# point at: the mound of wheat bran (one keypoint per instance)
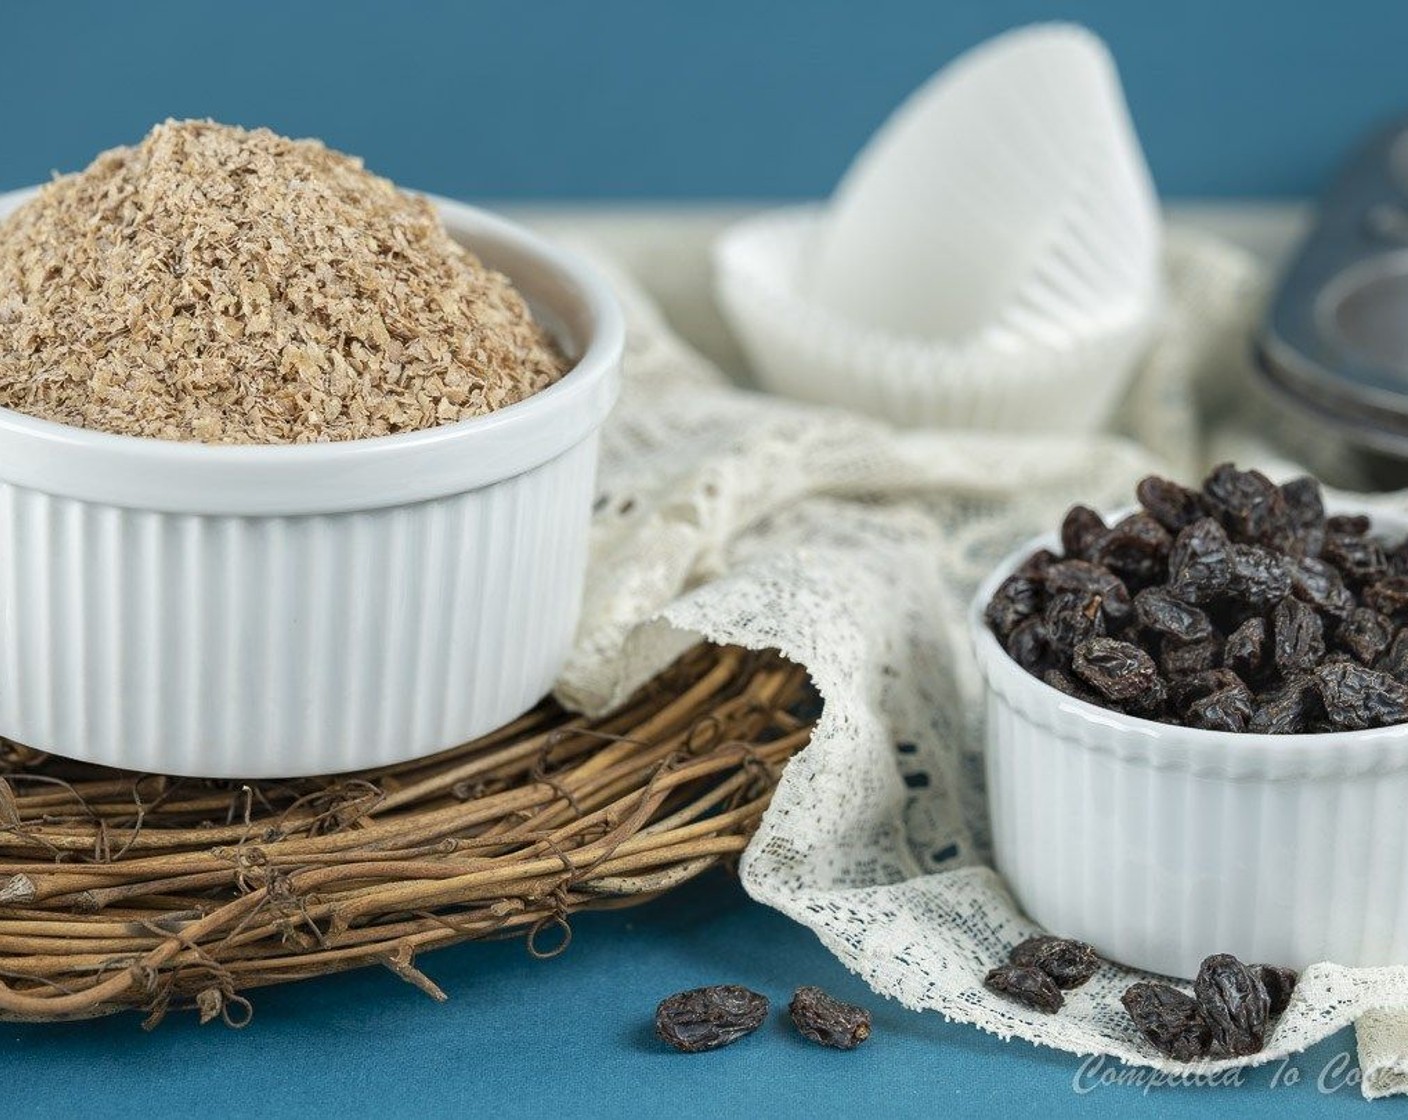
(227, 286)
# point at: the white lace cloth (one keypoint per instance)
(854, 548)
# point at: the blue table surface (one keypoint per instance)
(573, 1036)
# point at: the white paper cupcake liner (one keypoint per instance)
(1049, 363)
(991, 260)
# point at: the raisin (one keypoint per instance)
(1117, 670)
(707, 1018)
(1062, 682)
(1359, 559)
(1286, 710)
(1321, 585)
(1182, 659)
(1081, 532)
(1069, 963)
(1248, 504)
(1259, 577)
(1026, 985)
(1171, 1020)
(1394, 662)
(1174, 507)
(1071, 617)
(1365, 634)
(1355, 697)
(1184, 690)
(1234, 1003)
(1200, 562)
(1090, 579)
(826, 1020)
(1299, 636)
(1136, 549)
(1016, 600)
(1228, 709)
(1279, 983)
(1034, 566)
(1348, 524)
(1156, 609)
(1245, 651)
(1305, 511)
(1030, 648)
(1389, 597)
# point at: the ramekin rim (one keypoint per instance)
(588, 389)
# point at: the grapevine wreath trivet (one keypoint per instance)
(122, 891)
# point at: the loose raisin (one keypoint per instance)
(1365, 634)
(708, 1018)
(1200, 562)
(1359, 559)
(1389, 597)
(1280, 984)
(1171, 1020)
(1069, 963)
(1259, 577)
(1305, 510)
(1182, 659)
(1071, 617)
(1026, 985)
(1234, 1003)
(1030, 648)
(1135, 549)
(1321, 585)
(1286, 710)
(826, 1020)
(1245, 651)
(1228, 709)
(1090, 579)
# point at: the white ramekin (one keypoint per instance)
(271, 611)
(1160, 845)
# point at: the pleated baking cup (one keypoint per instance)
(1012, 182)
(1058, 356)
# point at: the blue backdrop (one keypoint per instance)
(725, 98)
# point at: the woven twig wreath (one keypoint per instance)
(138, 891)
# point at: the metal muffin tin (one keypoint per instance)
(1335, 343)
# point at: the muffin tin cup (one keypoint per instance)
(1160, 844)
(254, 611)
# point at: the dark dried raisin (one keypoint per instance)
(1245, 651)
(826, 1020)
(1234, 1003)
(1026, 985)
(1034, 566)
(1228, 709)
(1349, 524)
(1158, 610)
(1299, 636)
(1259, 578)
(1071, 617)
(1280, 984)
(1171, 1020)
(1286, 710)
(1069, 963)
(1174, 506)
(1182, 659)
(1355, 697)
(1321, 585)
(1080, 532)
(1135, 549)
(1389, 597)
(707, 1018)
(1248, 504)
(1090, 579)
(1117, 670)
(1016, 600)
(1200, 562)
(1359, 559)
(1365, 634)
(1394, 661)
(1030, 648)
(1305, 511)
(1184, 690)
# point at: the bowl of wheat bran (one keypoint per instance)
(285, 496)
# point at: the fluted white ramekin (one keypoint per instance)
(1160, 845)
(269, 611)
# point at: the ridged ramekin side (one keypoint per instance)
(236, 646)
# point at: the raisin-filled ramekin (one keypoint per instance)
(1161, 844)
(249, 611)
